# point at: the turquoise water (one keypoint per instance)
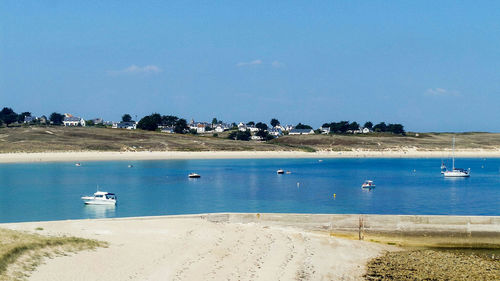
(52, 191)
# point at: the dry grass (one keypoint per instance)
(44, 139)
(21, 252)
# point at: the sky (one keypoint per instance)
(429, 65)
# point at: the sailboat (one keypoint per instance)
(455, 172)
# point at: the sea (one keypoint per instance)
(52, 191)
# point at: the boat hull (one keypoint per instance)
(96, 201)
(456, 175)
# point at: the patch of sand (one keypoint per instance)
(191, 248)
(166, 155)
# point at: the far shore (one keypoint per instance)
(80, 156)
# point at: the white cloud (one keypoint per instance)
(440, 92)
(277, 64)
(254, 62)
(134, 69)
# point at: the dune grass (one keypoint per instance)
(21, 252)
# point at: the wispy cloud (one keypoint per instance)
(277, 64)
(135, 69)
(254, 62)
(440, 92)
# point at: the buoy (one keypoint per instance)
(298, 184)
(334, 195)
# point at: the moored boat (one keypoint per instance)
(100, 198)
(280, 171)
(194, 176)
(368, 184)
(454, 172)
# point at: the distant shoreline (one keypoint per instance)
(83, 156)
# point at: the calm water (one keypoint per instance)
(52, 191)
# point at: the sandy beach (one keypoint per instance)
(192, 248)
(166, 155)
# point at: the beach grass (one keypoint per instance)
(63, 139)
(21, 252)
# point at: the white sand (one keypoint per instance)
(164, 155)
(190, 248)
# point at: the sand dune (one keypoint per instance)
(189, 248)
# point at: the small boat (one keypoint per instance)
(130, 166)
(78, 164)
(288, 172)
(280, 172)
(368, 184)
(194, 176)
(100, 198)
(455, 172)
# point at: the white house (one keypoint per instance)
(242, 127)
(125, 125)
(253, 129)
(301, 132)
(325, 130)
(289, 128)
(275, 132)
(258, 138)
(365, 130)
(168, 130)
(72, 121)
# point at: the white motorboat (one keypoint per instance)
(455, 172)
(100, 198)
(280, 171)
(368, 184)
(194, 176)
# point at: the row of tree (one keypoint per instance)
(343, 127)
(153, 121)
(9, 116)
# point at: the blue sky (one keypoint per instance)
(430, 65)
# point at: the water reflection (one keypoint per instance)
(99, 211)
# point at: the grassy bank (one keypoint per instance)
(21, 252)
(56, 138)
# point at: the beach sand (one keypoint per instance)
(165, 155)
(192, 248)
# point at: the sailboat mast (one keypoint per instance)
(453, 154)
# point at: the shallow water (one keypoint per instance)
(52, 191)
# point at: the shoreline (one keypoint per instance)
(70, 156)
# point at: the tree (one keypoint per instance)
(302, 126)
(396, 129)
(56, 118)
(261, 126)
(169, 120)
(339, 127)
(251, 123)
(126, 118)
(354, 126)
(150, 122)
(264, 135)
(89, 123)
(20, 117)
(239, 135)
(214, 121)
(368, 125)
(8, 116)
(275, 122)
(380, 127)
(181, 126)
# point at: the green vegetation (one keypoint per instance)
(56, 118)
(240, 135)
(21, 252)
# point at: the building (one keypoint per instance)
(73, 121)
(257, 138)
(29, 119)
(168, 130)
(289, 128)
(242, 127)
(275, 132)
(125, 125)
(301, 132)
(325, 130)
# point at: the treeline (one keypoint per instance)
(343, 127)
(154, 121)
(9, 116)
